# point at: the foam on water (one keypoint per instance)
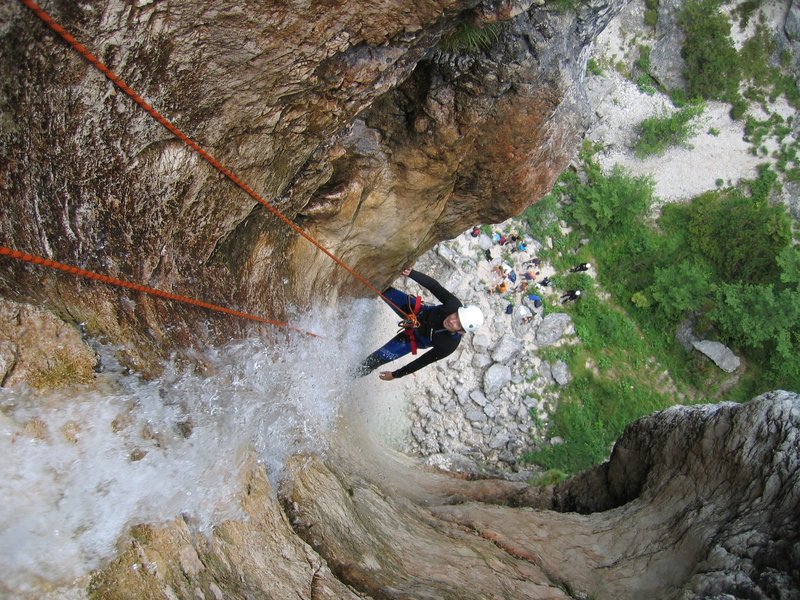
(80, 467)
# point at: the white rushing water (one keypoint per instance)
(80, 467)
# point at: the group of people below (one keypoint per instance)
(438, 328)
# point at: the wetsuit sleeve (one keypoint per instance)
(435, 288)
(431, 356)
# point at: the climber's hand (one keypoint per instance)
(386, 375)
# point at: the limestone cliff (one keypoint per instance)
(694, 503)
(349, 118)
(356, 122)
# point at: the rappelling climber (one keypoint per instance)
(438, 327)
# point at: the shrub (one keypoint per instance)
(542, 217)
(651, 17)
(680, 288)
(739, 236)
(608, 202)
(646, 84)
(712, 63)
(593, 67)
(656, 134)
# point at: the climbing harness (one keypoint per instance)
(411, 322)
(93, 60)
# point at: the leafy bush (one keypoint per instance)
(712, 63)
(656, 134)
(680, 288)
(542, 217)
(740, 239)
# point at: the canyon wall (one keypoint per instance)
(353, 119)
(362, 126)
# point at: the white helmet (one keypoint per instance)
(471, 317)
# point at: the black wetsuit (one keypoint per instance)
(430, 333)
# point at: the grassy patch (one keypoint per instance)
(724, 260)
(60, 370)
(469, 38)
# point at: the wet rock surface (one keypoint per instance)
(353, 121)
(350, 119)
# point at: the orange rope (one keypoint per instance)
(38, 260)
(52, 24)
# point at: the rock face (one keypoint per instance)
(349, 118)
(695, 502)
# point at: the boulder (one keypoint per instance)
(552, 327)
(546, 371)
(560, 373)
(722, 356)
(508, 347)
(495, 378)
(791, 25)
(481, 361)
(481, 342)
(666, 62)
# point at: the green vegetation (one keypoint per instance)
(725, 261)
(644, 82)
(657, 134)
(714, 69)
(468, 38)
(712, 63)
(593, 68)
(550, 477)
(651, 13)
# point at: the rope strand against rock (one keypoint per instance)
(81, 49)
(46, 262)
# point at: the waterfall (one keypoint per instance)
(82, 465)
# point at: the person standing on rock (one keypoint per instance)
(439, 327)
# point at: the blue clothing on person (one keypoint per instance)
(537, 301)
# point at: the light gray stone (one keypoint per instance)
(481, 342)
(476, 416)
(490, 411)
(462, 393)
(546, 371)
(560, 373)
(481, 361)
(495, 378)
(722, 356)
(478, 398)
(508, 347)
(499, 440)
(552, 328)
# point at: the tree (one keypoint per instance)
(752, 315)
(739, 238)
(681, 287)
